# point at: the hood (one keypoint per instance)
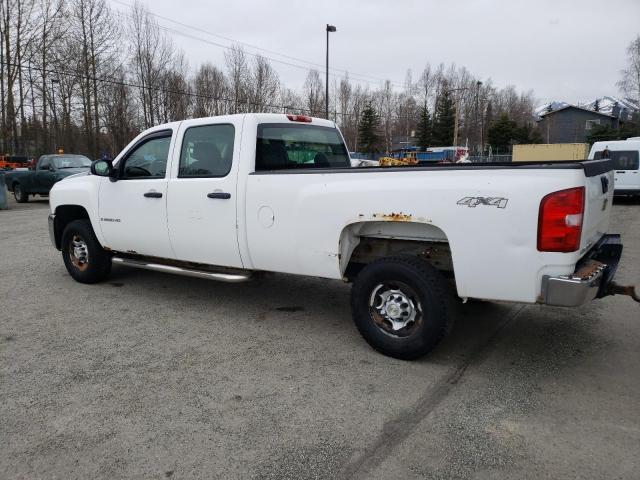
(67, 172)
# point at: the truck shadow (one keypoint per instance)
(319, 307)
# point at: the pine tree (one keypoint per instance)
(502, 133)
(444, 121)
(423, 129)
(368, 137)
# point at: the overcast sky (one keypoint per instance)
(569, 50)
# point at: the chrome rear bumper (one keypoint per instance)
(589, 281)
(573, 290)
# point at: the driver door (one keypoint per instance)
(133, 209)
(45, 176)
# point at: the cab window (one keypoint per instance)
(148, 159)
(284, 146)
(207, 151)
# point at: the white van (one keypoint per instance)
(626, 163)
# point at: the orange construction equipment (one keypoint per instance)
(9, 162)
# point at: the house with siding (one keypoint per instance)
(572, 124)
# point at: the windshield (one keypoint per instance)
(74, 161)
(286, 146)
(622, 159)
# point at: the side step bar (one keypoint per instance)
(221, 277)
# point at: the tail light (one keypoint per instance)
(560, 221)
(299, 118)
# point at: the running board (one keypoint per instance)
(157, 267)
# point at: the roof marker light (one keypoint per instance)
(299, 118)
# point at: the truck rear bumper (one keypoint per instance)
(593, 273)
(626, 191)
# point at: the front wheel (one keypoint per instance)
(20, 195)
(399, 305)
(84, 257)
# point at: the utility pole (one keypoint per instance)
(455, 123)
(330, 28)
(478, 85)
(55, 116)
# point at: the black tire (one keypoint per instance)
(423, 295)
(20, 195)
(84, 257)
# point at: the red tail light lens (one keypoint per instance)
(560, 221)
(299, 118)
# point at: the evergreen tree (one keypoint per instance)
(488, 116)
(423, 129)
(368, 138)
(536, 136)
(444, 121)
(502, 133)
(526, 134)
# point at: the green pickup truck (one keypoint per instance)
(49, 170)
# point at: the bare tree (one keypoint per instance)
(97, 32)
(313, 92)
(264, 85)
(238, 76)
(119, 112)
(17, 36)
(152, 56)
(210, 87)
(629, 82)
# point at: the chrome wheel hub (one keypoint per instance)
(394, 306)
(79, 252)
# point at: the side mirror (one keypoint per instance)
(46, 167)
(102, 168)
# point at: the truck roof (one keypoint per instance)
(617, 145)
(259, 117)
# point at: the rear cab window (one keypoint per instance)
(622, 159)
(286, 147)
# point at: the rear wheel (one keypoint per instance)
(400, 306)
(19, 193)
(84, 257)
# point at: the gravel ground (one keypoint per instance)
(157, 376)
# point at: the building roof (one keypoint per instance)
(544, 114)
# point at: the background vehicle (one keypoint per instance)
(49, 170)
(9, 162)
(223, 197)
(625, 155)
(432, 154)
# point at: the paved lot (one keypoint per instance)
(156, 376)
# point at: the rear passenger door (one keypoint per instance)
(201, 200)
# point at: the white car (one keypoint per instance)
(625, 155)
(224, 197)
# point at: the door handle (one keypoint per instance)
(153, 195)
(223, 195)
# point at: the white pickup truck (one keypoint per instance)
(225, 197)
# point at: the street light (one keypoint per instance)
(330, 28)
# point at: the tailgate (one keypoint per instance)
(598, 201)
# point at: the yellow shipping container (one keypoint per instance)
(550, 152)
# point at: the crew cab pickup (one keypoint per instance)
(225, 197)
(49, 170)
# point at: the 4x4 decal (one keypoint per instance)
(473, 202)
